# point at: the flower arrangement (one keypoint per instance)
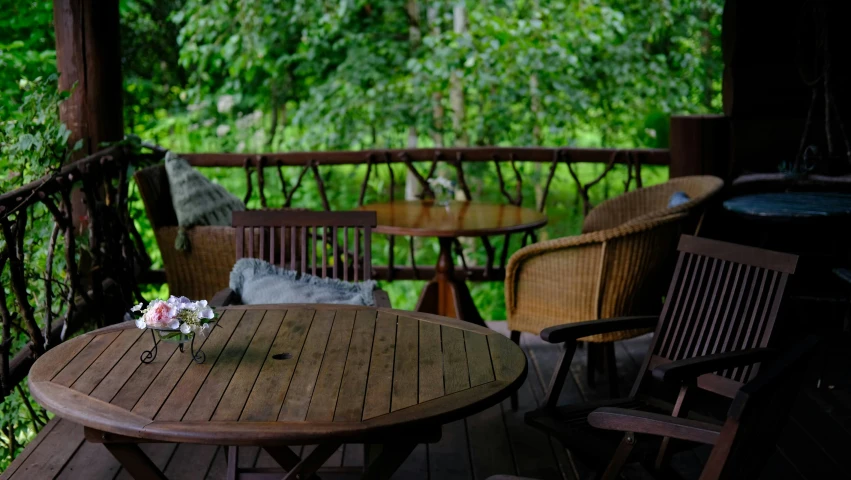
(176, 319)
(176, 313)
(443, 188)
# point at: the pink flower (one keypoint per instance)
(161, 315)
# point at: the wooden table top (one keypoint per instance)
(791, 205)
(347, 373)
(421, 218)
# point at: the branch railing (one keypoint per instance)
(94, 258)
(85, 203)
(423, 165)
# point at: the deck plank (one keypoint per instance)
(324, 399)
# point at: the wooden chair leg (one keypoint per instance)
(611, 367)
(515, 337)
(613, 470)
(591, 364)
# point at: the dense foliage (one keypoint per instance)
(262, 75)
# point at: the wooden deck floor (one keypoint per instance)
(495, 441)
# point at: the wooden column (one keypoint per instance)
(88, 58)
(700, 145)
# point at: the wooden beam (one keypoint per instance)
(88, 58)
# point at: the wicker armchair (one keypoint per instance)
(204, 270)
(643, 204)
(604, 274)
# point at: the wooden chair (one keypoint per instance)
(746, 440)
(317, 243)
(744, 443)
(719, 314)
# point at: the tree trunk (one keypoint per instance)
(456, 87)
(437, 99)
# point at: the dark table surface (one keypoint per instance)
(791, 205)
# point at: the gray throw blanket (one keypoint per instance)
(259, 282)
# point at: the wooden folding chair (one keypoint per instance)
(719, 315)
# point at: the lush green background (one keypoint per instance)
(263, 75)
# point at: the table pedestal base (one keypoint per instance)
(445, 295)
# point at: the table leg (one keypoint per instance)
(388, 460)
(134, 460)
(444, 294)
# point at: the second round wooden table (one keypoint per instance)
(445, 294)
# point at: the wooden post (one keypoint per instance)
(700, 145)
(88, 58)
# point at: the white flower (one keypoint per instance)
(141, 324)
(174, 324)
(185, 329)
(136, 308)
(225, 103)
(222, 130)
(206, 312)
(203, 329)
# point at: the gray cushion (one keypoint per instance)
(677, 199)
(196, 199)
(258, 282)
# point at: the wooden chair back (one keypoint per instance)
(757, 416)
(327, 244)
(723, 297)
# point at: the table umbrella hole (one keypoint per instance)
(282, 356)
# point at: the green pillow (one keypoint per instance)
(196, 200)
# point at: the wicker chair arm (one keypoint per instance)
(575, 331)
(688, 369)
(636, 421)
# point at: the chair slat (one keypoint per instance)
(367, 253)
(263, 243)
(336, 251)
(357, 254)
(303, 248)
(702, 316)
(346, 253)
(324, 252)
(313, 250)
(251, 242)
(272, 235)
(686, 288)
(240, 232)
(293, 237)
(283, 254)
(691, 318)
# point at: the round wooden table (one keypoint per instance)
(445, 294)
(283, 375)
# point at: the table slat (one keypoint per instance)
(204, 403)
(298, 396)
(431, 362)
(107, 361)
(170, 376)
(84, 359)
(331, 373)
(270, 389)
(234, 398)
(380, 379)
(478, 358)
(405, 367)
(353, 386)
(456, 375)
